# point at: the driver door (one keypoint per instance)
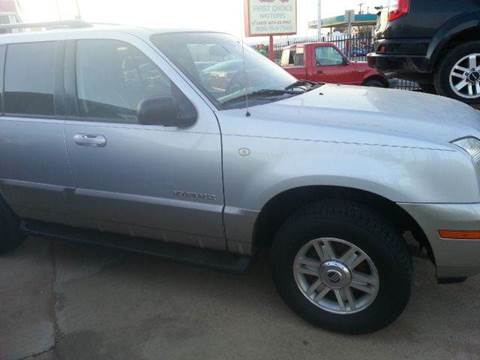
(142, 180)
(331, 66)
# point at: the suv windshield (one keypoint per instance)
(224, 70)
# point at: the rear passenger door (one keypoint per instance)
(34, 173)
(142, 180)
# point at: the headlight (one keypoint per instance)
(471, 145)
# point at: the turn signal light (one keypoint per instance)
(401, 9)
(460, 234)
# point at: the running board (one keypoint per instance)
(218, 260)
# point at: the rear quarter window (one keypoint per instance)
(293, 57)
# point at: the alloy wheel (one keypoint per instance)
(336, 275)
(465, 77)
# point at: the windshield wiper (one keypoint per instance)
(274, 92)
(263, 93)
(308, 85)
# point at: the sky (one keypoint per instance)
(220, 15)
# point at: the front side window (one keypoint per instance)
(30, 79)
(328, 56)
(222, 68)
(113, 77)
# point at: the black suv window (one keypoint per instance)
(30, 79)
(113, 78)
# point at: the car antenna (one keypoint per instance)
(246, 80)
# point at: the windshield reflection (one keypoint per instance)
(224, 69)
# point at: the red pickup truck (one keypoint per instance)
(324, 62)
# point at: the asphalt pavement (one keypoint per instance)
(72, 301)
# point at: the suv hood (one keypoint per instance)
(388, 112)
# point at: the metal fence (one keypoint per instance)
(354, 47)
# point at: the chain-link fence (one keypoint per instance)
(355, 47)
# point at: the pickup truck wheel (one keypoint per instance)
(10, 235)
(458, 75)
(374, 83)
(342, 268)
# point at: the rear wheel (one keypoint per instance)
(374, 83)
(341, 267)
(10, 235)
(458, 75)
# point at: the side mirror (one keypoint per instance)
(164, 111)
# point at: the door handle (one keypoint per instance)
(319, 71)
(90, 140)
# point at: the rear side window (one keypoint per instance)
(30, 79)
(293, 57)
(297, 58)
(113, 77)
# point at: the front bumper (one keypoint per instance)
(453, 258)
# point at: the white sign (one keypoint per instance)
(270, 17)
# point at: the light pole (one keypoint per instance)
(361, 7)
(319, 19)
(79, 14)
(59, 14)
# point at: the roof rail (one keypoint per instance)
(67, 24)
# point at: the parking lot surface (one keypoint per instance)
(71, 301)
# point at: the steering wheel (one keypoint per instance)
(236, 83)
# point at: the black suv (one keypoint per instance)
(434, 42)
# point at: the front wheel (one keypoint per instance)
(458, 75)
(342, 268)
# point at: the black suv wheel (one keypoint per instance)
(341, 267)
(458, 75)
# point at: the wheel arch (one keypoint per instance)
(276, 211)
(455, 32)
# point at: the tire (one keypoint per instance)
(364, 231)
(10, 235)
(445, 83)
(374, 83)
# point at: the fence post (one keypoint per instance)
(271, 51)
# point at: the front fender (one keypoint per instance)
(407, 175)
(399, 174)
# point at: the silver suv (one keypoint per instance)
(190, 146)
